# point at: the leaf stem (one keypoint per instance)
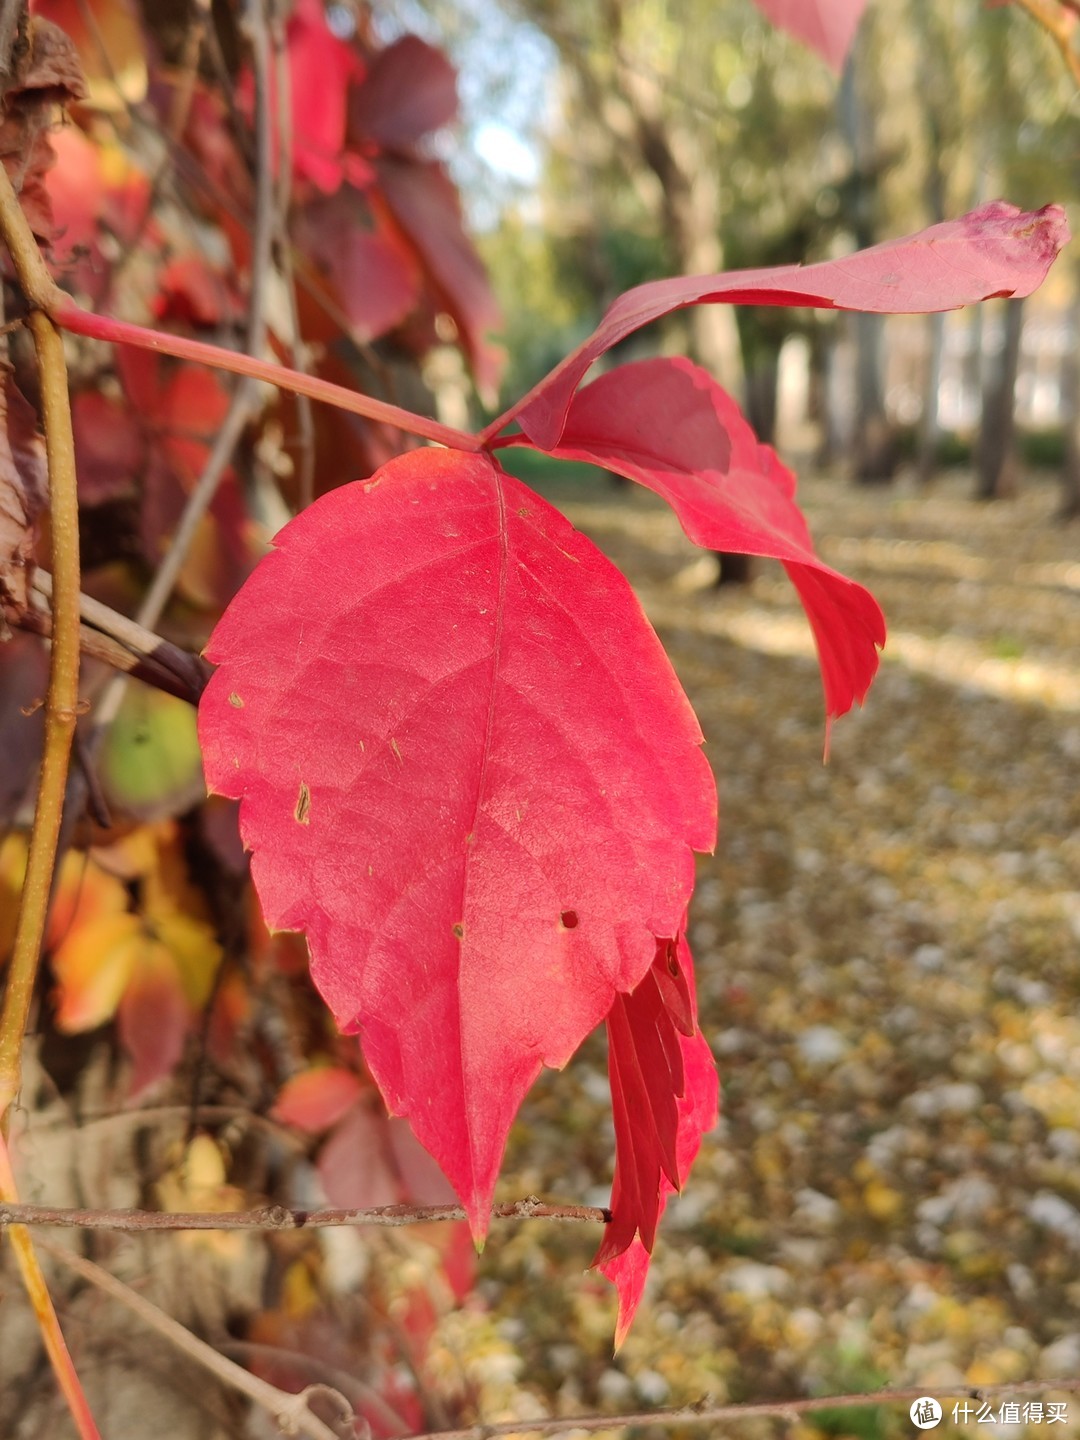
(70, 316)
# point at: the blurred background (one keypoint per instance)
(888, 945)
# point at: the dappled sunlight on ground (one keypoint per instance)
(889, 958)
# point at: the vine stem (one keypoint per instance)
(61, 704)
(69, 316)
(283, 1217)
(62, 698)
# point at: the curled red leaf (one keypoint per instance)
(664, 1097)
(995, 250)
(668, 425)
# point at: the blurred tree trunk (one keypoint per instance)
(937, 94)
(1070, 396)
(995, 451)
(873, 444)
(930, 419)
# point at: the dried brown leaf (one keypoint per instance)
(49, 78)
(23, 487)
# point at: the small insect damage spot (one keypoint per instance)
(459, 931)
(235, 701)
(397, 752)
(302, 813)
(569, 919)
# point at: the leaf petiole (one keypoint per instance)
(70, 316)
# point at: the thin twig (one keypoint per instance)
(184, 93)
(284, 1217)
(290, 1412)
(705, 1413)
(246, 393)
(341, 1381)
(107, 635)
(185, 682)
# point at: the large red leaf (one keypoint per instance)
(995, 250)
(668, 425)
(827, 26)
(468, 773)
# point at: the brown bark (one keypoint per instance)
(995, 451)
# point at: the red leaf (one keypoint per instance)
(373, 273)
(668, 425)
(995, 250)
(316, 1099)
(109, 446)
(424, 204)
(827, 26)
(664, 1099)
(468, 772)
(192, 292)
(153, 1016)
(354, 1167)
(321, 68)
(409, 91)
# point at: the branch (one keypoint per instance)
(107, 635)
(704, 1413)
(283, 1217)
(289, 1412)
(62, 700)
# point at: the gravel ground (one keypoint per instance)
(889, 966)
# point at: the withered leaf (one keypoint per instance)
(49, 78)
(23, 487)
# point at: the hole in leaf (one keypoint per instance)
(302, 813)
(569, 919)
